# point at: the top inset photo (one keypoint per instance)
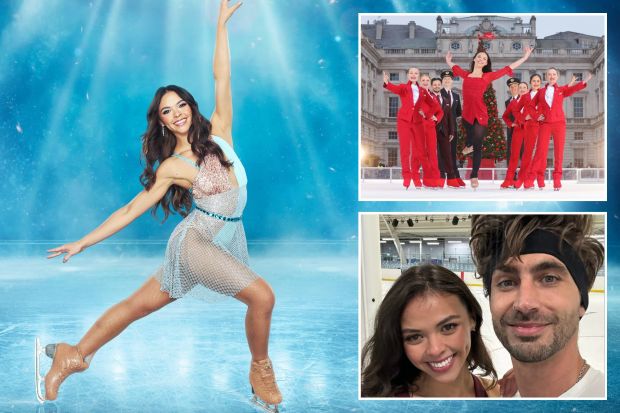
(508, 107)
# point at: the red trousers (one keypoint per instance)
(546, 130)
(529, 142)
(411, 142)
(429, 151)
(518, 134)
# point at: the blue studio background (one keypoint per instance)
(76, 78)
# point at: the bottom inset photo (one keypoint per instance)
(482, 305)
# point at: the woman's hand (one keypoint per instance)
(226, 12)
(528, 52)
(386, 77)
(449, 58)
(71, 249)
(573, 80)
(588, 77)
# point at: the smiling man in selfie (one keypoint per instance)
(537, 271)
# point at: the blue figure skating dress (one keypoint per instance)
(207, 251)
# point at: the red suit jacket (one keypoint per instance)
(408, 112)
(514, 109)
(555, 113)
(430, 109)
(474, 107)
(529, 108)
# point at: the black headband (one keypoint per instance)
(545, 242)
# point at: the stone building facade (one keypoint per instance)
(394, 48)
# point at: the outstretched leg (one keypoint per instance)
(71, 359)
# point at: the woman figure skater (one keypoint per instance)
(475, 115)
(431, 115)
(207, 251)
(530, 129)
(530, 138)
(427, 340)
(549, 102)
(410, 128)
(516, 109)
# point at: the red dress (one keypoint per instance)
(474, 107)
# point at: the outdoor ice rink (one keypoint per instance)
(386, 190)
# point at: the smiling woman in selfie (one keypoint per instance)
(427, 340)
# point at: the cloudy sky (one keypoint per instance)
(546, 24)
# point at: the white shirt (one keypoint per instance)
(416, 92)
(549, 95)
(533, 93)
(592, 384)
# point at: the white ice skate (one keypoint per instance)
(39, 379)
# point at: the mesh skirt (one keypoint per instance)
(206, 258)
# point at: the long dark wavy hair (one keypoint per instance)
(158, 146)
(487, 68)
(386, 370)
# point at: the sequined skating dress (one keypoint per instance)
(207, 251)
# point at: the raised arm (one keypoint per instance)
(571, 89)
(397, 89)
(123, 216)
(221, 119)
(573, 80)
(449, 59)
(526, 55)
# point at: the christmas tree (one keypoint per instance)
(494, 144)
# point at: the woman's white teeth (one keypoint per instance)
(441, 364)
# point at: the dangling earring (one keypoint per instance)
(163, 132)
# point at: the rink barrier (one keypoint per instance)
(592, 175)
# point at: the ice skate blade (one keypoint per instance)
(38, 378)
(271, 408)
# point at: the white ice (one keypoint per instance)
(384, 190)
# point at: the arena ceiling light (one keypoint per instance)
(429, 239)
